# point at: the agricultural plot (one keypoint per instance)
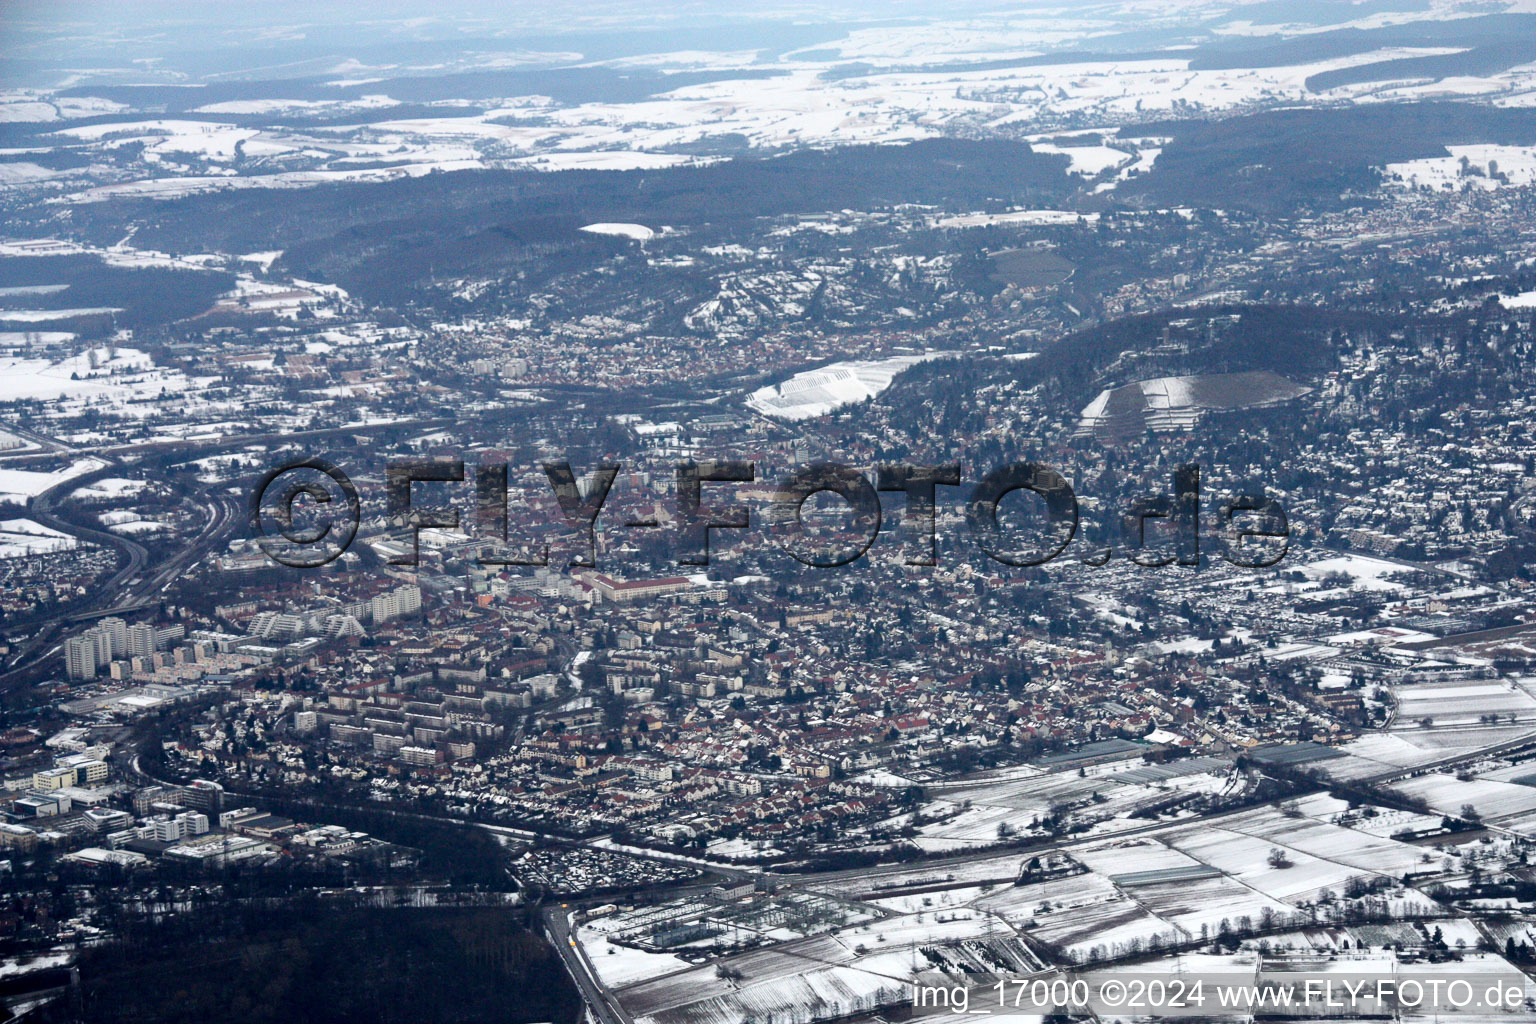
(1019, 905)
(1004, 867)
(1246, 859)
(1523, 824)
(1075, 913)
(1001, 954)
(914, 903)
(1322, 806)
(1017, 803)
(865, 966)
(620, 965)
(1441, 742)
(1355, 938)
(1381, 754)
(1462, 934)
(1304, 940)
(1378, 936)
(1481, 970)
(1374, 754)
(779, 963)
(1461, 704)
(1389, 822)
(1327, 841)
(1034, 793)
(1177, 888)
(927, 928)
(1200, 906)
(1140, 855)
(1115, 926)
(1492, 800)
(1522, 771)
(1522, 932)
(707, 926)
(822, 994)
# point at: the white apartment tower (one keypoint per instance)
(117, 633)
(400, 601)
(80, 657)
(141, 640)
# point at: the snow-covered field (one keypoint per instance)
(1185, 902)
(935, 901)
(17, 486)
(1462, 703)
(122, 374)
(809, 979)
(1245, 858)
(1364, 572)
(1493, 800)
(176, 186)
(1089, 161)
(1017, 798)
(1176, 403)
(20, 537)
(111, 487)
(139, 527)
(1481, 166)
(638, 232)
(968, 872)
(1380, 753)
(818, 392)
(1327, 841)
(12, 966)
(1111, 920)
(620, 965)
(951, 73)
(42, 316)
(1032, 218)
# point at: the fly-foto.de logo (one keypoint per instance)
(1250, 530)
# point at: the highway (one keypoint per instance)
(136, 583)
(198, 448)
(130, 587)
(556, 916)
(48, 444)
(604, 1007)
(35, 650)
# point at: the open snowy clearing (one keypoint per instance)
(1493, 800)
(638, 232)
(818, 392)
(18, 486)
(122, 374)
(22, 537)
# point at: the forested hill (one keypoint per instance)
(314, 962)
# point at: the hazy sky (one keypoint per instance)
(49, 43)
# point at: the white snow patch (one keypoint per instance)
(639, 232)
(818, 392)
